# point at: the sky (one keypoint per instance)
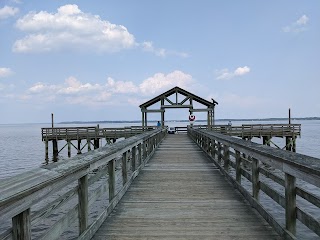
(99, 60)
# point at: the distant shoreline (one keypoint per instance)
(217, 120)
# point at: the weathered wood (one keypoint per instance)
(124, 168)
(83, 203)
(55, 150)
(226, 157)
(69, 148)
(291, 211)
(21, 226)
(140, 153)
(133, 158)
(255, 178)
(111, 179)
(238, 167)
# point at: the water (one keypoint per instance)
(21, 147)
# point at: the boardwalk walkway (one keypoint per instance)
(180, 194)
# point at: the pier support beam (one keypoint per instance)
(69, 148)
(55, 150)
(46, 151)
(79, 146)
(96, 143)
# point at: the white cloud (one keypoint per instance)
(113, 92)
(8, 11)
(297, 26)
(70, 28)
(160, 81)
(225, 74)
(161, 52)
(5, 72)
(73, 86)
(121, 86)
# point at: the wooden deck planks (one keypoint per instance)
(181, 195)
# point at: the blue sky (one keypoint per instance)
(99, 60)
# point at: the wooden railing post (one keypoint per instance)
(226, 157)
(21, 226)
(83, 203)
(139, 154)
(238, 167)
(255, 178)
(213, 148)
(144, 150)
(133, 160)
(124, 168)
(219, 153)
(112, 179)
(290, 195)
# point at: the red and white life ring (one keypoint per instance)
(192, 118)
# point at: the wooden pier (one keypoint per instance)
(226, 188)
(180, 194)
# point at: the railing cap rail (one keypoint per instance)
(302, 162)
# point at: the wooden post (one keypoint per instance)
(139, 154)
(52, 120)
(133, 160)
(69, 147)
(291, 210)
(238, 167)
(142, 119)
(255, 178)
(79, 146)
(219, 153)
(145, 120)
(55, 150)
(124, 168)
(112, 179)
(144, 150)
(83, 203)
(89, 144)
(46, 151)
(289, 116)
(96, 143)
(21, 226)
(162, 114)
(294, 144)
(213, 148)
(288, 144)
(226, 157)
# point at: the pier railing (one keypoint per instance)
(76, 133)
(256, 130)
(291, 181)
(62, 193)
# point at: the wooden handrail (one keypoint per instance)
(19, 193)
(247, 157)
